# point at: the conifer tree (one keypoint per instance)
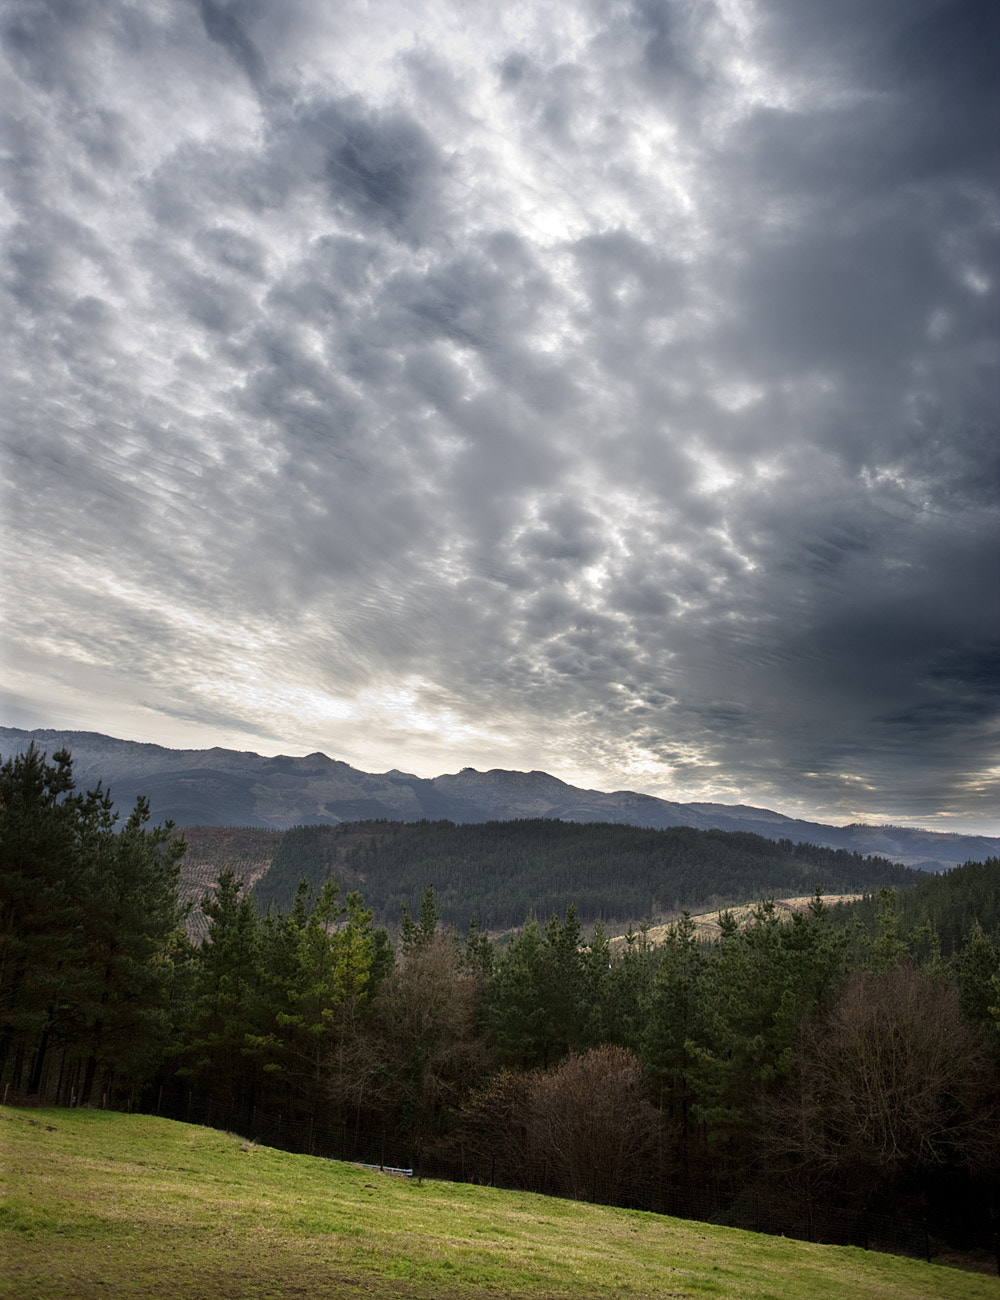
(327, 951)
(760, 982)
(230, 1000)
(40, 905)
(88, 927)
(513, 1012)
(673, 1025)
(978, 970)
(131, 916)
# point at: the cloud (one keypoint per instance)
(608, 391)
(223, 25)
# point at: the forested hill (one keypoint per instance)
(942, 910)
(499, 872)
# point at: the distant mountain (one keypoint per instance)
(225, 787)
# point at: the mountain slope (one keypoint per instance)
(224, 787)
(500, 871)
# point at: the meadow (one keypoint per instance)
(131, 1206)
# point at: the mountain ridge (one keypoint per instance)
(224, 787)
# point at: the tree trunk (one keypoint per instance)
(36, 1074)
(91, 1071)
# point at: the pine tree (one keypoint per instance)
(88, 930)
(674, 1022)
(512, 1012)
(230, 1008)
(978, 971)
(760, 982)
(40, 906)
(131, 917)
(328, 954)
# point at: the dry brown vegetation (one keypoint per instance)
(707, 923)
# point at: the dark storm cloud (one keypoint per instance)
(222, 24)
(603, 390)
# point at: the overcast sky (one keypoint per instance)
(604, 388)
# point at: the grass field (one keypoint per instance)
(130, 1206)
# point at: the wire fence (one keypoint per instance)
(787, 1212)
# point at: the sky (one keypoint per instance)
(608, 389)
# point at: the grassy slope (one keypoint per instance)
(97, 1204)
(706, 924)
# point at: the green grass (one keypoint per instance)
(129, 1206)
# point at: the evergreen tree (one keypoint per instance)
(628, 990)
(512, 1012)
(131, 919)
(230, 997)
(887, 948)
(419, 933)
(674, 1022)
(40, 907)
(478, 953)
(88, 931)
(563, 986)
(760, 982)
(598, 1022)
(326, 952)
(534, 1006)
(978, 969)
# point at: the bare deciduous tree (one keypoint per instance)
(893, 1082)
(588, 1123)
(592, 1116)
(416, 1053)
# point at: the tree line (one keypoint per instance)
(849, 1059)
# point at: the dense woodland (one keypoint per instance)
(498, 873)
(848, 1057)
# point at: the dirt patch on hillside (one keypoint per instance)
(707, 923)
